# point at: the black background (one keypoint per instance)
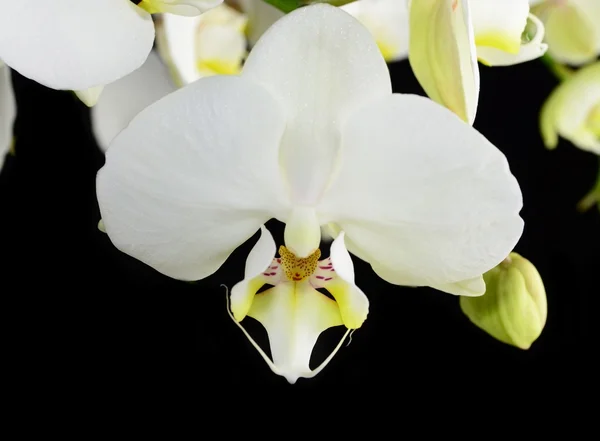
(87, 315)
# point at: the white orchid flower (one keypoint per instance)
(125, 98)
(387, 20)
(7, 112)
(448, 36)
(82, 44)
(210, 44)
(309, 134)
(573, 111)
(572, 29)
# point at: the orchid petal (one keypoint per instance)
(529, 50)
(572, 30)
(261, 17)
(7, 111)
(499, 24)
(321, 64)
(471, 288)
(177, 44)
(387, 20)
(571, 108)
(258, 262)
(436, 202)
(336, 275)
(180, 7)
(74, 44)
(294, 315)
(125, 98)
(443, 54)
(192, 177)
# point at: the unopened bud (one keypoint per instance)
(513, 308)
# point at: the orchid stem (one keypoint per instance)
(560, 71)
(592, 198)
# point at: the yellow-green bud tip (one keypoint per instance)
(513, 308)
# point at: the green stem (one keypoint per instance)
(560, 71)
(289, 5)
(592, 198)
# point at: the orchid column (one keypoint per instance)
(309, 134)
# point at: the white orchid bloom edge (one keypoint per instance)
(82, 45)
(309, 134)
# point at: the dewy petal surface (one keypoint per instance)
(433, 202)
(74, 44)
(321, 64)
(125, 98)
(7, 111)
(193, 176)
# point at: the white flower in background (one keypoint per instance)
(216, 43)
(82, 44)
(125, 98)
(573, 111)
(447, 37)
(309, 134)
(210, 44)
(7, 112)
(572, 29)
(387, 20)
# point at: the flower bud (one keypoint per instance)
(513, 308)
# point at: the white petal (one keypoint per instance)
(74, 44)
(178, 42)
(443, 54)
(192, 177)
(258, 261)
(261, 17)
(321, 64)
(499, 24)
(433, 202)
(127, 97)
(8, 111)
(530, 50)
(471, 287)
(387, 20)
(294, 315)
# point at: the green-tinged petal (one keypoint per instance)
(572, 30)
(294, 315)
(571, 111)
(90, 96)
(179, 7)
(7, 112)
(514, 307)
(442, 54)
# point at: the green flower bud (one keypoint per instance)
(513, 308)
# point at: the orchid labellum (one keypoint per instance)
(310, 134)
(82, 44)
(447, 37)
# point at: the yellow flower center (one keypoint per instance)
(296, 268)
